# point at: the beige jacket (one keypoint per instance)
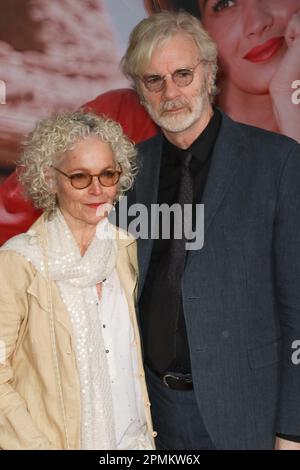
(40, 403)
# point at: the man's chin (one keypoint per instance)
(175, 125)
(170, 123)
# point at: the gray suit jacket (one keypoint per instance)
(241, 291)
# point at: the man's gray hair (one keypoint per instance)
(157, 29)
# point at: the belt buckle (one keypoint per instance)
(165, 376)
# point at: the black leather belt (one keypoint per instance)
(177, 381)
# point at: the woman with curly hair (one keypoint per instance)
(71, 374)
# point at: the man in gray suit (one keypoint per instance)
(220, 325)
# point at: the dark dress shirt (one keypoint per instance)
(169, 179)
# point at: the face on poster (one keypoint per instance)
(253, 38)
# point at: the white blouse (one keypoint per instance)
(120, 348)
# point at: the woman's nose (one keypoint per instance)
(95, 186)
(258, 17)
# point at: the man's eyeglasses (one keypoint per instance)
(181, 78)
(82, 180)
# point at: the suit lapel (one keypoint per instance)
(225, 160)
(150, 154)
(39, 288)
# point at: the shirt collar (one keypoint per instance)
(201, 148)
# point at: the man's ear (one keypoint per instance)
(209, 79)
(49, 178)
(140, 94)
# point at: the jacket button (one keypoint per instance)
(154, 434)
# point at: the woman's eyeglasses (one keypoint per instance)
(181, 78)
(82, 180)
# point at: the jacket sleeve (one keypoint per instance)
(17, 429)
(287, 279)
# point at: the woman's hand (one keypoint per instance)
(286, 112)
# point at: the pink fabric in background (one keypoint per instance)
(54, 55)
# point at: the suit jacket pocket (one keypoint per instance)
(265, 355)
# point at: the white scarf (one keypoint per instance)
(76, 277)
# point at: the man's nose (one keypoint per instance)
(170, 90)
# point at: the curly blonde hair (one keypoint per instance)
(55, 135)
